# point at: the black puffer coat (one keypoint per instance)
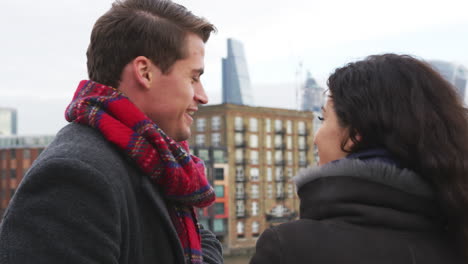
(367, 212)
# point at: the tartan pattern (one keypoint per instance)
(168, 163)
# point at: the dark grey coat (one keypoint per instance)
(84, 202)
(361, 212)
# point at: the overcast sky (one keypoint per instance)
(43, 45)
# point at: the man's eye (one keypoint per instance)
(195, 79)
(320, 118)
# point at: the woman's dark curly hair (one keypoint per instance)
(402, 104)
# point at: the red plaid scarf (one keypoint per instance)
(166, 162)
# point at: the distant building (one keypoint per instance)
(312, 95)
(313, 98)
(16, 156)
(8, 121)
(251, 154)
(456, 74)
(236, 81)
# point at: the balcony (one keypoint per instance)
(280, 179)
(240, 178)
(241, 144)
(280, 196)
(241, 214)
(281, 163)
(280, 146)
(302, 132)
(241, 196)
(280, 131)
(241, 162)
(240, 129)
(303, 147)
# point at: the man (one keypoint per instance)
(118, 184)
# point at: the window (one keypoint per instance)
(269, 174)
(219, 208)
(3, 154)
(4, 173)
(239, 139)
(13, 154)
(254, 208)
(240, 229)
(268, 125)
(279, 190)
(278, 156)
(254, 192)
(302, 156)
(218, 156)
(269, 191)
(290, 191)
(255, 229)
(240, 190)
(253, 142)
(289, 172)
(268, 141)
(238, 123)
(289, 127)
(269, 157)
(218, 225)
(278, 141)
(289, 142)
(219, 174)
(254, 173)
(204, 154)
(301, 128)
(239, 155)
(215, 123)
(240, 173)
(219, 190)
(216, 139)
(289, 157)
(240, 208)
(278, 125)
(279, 174)
(13, 173)
(254, 157)
(301, 142)
(201, 124)
(253, 124)
(26, 153)
(200, 140)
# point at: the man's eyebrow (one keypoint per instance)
(199, 71)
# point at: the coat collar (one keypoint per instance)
(381, 170)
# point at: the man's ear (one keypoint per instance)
(142, 70)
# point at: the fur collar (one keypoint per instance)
(372, 170)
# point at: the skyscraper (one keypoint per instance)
(312, 95)
(236, 81)
(313, 99)
(8, 121)
(456, 74)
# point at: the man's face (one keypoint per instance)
(174, 97)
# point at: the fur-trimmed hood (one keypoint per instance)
(372, 170)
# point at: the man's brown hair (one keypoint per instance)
(155, 29)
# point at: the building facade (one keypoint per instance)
(237, 88)
(8, 121)
(251, 154)
(17, 153)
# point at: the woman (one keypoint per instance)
(391, 185)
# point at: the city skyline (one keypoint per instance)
(43, 57)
